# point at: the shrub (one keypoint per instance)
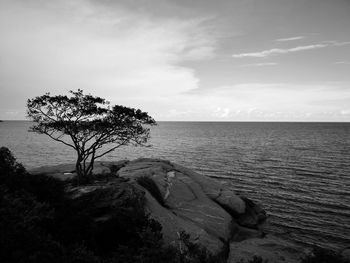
(15, 178)
(320, 255)
(24, 213)
(257, 259)
(195, 253)
(39, 224)
(8, 163)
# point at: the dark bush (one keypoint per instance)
(38, 223)
(151, 186)
(8, 164)
(195, 253)
(25, 210)
(23, 237)
(257, 259)
(320, 255)
(15, 178)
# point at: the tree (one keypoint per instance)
(88, 124)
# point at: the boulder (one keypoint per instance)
(61, 171)
(254, 215)
(346, 254)
(173, 224)
(217, 191)
(199, 205)
(271, 249)
(203, 207)
(187, 209)
(67, 171)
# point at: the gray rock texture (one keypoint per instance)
(196, 204)
(270, 248)
(208, 210)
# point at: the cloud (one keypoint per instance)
(278, 51)
(221, 112)
(259, 64)
(289, 39)
(342, 63)
(127, 56)
(275, 101)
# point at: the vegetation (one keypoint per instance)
(39, 223)
(320, 255)
(257, 259)
(194, 253)
(88, 124)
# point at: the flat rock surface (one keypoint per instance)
(67, 171)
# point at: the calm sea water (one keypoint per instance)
(300, 172)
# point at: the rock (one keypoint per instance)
(242, 233)
(67, 171)
(173, 224)
(270, 248)
(254, 215)
(216, 191)
(188, 208)
(199, 205)
(346, 254)
(206, 209)
(61, 171)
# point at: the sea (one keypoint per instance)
(299, 172)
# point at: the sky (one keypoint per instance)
(181, 60)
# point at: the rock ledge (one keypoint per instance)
(206, 209)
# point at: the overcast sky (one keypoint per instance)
(228, 60)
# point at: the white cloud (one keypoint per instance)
(278, 51)
(259, 64)
(274, 101)
(110, 51)
(342, 62)
(289, 39)
(221, 112)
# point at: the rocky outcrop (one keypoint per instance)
(269, 248)
(345, 253)
(202, 207)
(206, 209)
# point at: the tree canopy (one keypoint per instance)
(88, 124)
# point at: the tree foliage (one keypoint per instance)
(88, 124)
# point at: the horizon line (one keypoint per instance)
(247, 121)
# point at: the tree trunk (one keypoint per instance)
(91, 164)
(79, 170)
(90, 167)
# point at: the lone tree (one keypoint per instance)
(88, 124)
